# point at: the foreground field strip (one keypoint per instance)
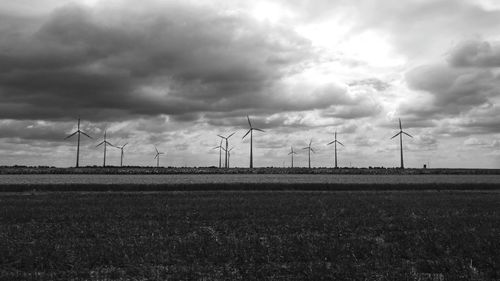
(251, 236)
(246, 178)
(244, 187)
(493, 192)
(241, 171)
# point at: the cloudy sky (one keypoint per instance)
(176, 73)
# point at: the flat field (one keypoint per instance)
(204, 182)
(254, 179)
(254, 235)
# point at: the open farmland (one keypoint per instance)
(245, 178)
(251, 236)
(165, 182)
(132, 170)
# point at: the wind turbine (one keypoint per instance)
(220, 152)
(121, 154)
(157, 157)
(292, 152)
(400, 134)
(226, 165)
(228, 155)
(105, 142)
(310, 149)
(335, 142)
(251, 139)
(78, 143)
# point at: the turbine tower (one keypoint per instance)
(105, 142)
(228, 155)
(309, 148)
(78, 132)
(226, 164)
(400, 134)
(220, 152)
(292, 152)
(251, 139)
(121, 153)
(335, 143)
(157, 157)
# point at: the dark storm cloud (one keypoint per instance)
(108, 63)
(332, 100)
(240, 122)
(361, 110)
(482, 120)
(471, 125)
(475, 53)
(453, 91)
(33, 130)
(482, 125)
(45, 132)
(426, 141)
(350, 106)
(186, 117)
(465, 90)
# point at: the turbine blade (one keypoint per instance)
(124, 145)
(258, 130)
(101, 143)
(156, 156)
(396, 135)
(71, 135)
(156, 150)
(408, 134)
(310, 142)
(231, 135)
(331, 142)
(221, 136)
(313, 150)
(400, 127)
(305, 148)
(246, 133)
(86, 135)
(340, 143)
(249, 123)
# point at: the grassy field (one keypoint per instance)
(134, 170)
(251, 236)
(34, 183)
